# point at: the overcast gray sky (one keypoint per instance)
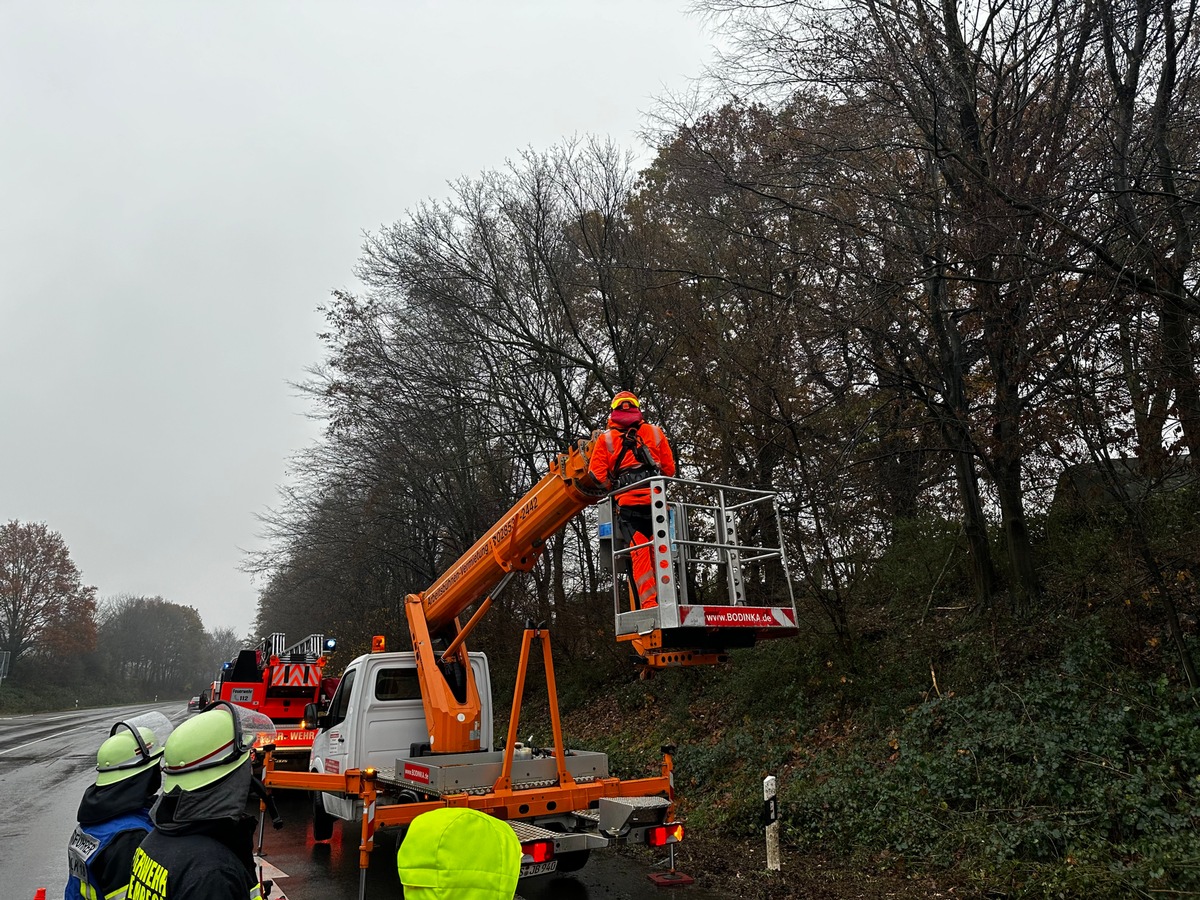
(181, 186)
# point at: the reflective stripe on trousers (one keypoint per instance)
(643, 571)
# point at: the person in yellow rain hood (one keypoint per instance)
(459, 854)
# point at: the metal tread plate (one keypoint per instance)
(642, 802)
(440, 775)
(386, 775)
(527, 831)
(564, 841)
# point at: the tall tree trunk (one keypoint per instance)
(954, 416)
(983, 575)
(1016, 536)
(1003, 333)
(1180, 359)
(1149, 397)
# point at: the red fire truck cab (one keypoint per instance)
(278, 681)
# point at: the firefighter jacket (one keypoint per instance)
(459, 854)
(627, 456)
(113, 819)
(99, 856)
(195, 866)
(201, 848)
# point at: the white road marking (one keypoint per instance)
(268, 870)
(46, 738)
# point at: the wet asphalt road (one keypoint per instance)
(47, 761)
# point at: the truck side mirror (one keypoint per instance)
(312, 716)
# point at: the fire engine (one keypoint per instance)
(279, 681)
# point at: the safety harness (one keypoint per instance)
(632, 442)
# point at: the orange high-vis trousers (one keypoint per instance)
(643, 571)
(636, 531)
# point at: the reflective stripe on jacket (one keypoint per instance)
(189, 867)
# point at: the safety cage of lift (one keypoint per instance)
(721, 571)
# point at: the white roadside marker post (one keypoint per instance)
(771, 820)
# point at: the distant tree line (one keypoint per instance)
(57, 634)
(916, 264)
(152, 642)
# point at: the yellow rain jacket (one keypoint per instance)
(459, 854)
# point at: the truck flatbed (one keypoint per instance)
(476, 773)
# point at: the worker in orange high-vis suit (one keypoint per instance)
(630, 450)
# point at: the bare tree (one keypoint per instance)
(1150, 181)
(493, 325)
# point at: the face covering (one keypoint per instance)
(624, 418)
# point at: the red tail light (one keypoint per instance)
(537, 852)
(661, 835)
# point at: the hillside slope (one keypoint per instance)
(995, 760)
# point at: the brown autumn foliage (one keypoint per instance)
(44, 605)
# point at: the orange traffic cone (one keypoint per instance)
(39, 894)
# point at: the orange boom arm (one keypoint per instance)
(511, 545)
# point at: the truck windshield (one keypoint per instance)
(341, 700)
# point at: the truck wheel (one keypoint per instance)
(322, 821)
(573, 861)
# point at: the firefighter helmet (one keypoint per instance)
(132, 746)
(625, 397)
(209, 746)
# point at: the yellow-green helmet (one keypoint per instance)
(209, 746)
(132, 746)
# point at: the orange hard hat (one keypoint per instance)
(625, 397)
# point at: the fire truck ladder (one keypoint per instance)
(715, 593)
(308, 650)
(271, 645)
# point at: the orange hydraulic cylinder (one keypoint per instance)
(453, 724)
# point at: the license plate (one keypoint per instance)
(539, 868)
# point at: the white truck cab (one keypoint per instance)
(376, 720)
(376, 715)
